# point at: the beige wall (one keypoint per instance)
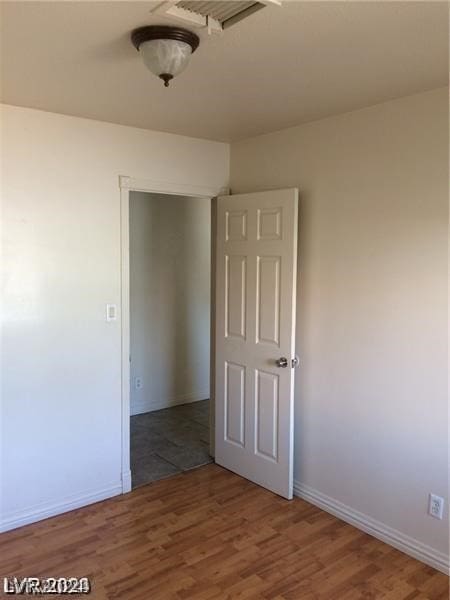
(371, 393)
(61, 361)
(170, 248)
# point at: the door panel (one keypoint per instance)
(266, 415)
(256, 249)
(235, 290)
(235, 403)
(269, 224)
(236, 225)
(268, 300)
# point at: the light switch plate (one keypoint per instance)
(111, 312)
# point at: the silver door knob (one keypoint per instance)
(282, 362)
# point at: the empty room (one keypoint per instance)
(224, 257)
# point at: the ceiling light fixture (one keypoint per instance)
(165, 50)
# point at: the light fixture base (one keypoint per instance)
(164, 32)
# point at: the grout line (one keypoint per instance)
(168, 461)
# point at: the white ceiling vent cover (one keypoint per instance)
(217, 15)
(226, 13)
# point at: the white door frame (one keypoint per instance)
(128, 184)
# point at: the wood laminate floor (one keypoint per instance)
(209, 534)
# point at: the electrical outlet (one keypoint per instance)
(435, 506)
(138, 385)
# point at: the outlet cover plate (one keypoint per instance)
(436, 506)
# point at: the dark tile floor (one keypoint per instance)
(169, 441)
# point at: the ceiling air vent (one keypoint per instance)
(215, 15)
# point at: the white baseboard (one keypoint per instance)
(44, 511)
(393, 537)
(144, 406)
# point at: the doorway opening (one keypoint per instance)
(170, 308)
(251, 359)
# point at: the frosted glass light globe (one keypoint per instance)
(165, 58)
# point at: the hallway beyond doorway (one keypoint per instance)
(169, 441)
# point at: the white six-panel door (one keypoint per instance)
(255, 328)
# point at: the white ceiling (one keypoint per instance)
(278, 68)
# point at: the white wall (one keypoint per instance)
(371, 394)
(170, 249)
(61, 405)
